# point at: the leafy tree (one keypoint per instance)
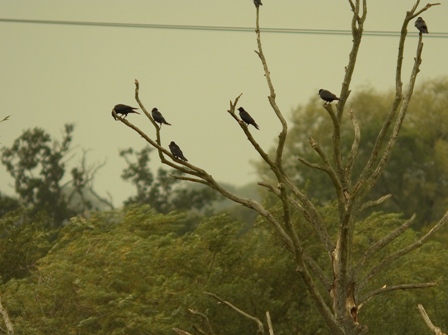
(163, 193)
(36, 162)
(336, 296)
(129, 272)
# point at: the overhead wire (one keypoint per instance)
(217, 28)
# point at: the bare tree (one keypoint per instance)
(340, 296)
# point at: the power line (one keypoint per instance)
(216, 28)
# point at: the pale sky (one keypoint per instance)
(57, 74)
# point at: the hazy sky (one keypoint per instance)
(57, 74)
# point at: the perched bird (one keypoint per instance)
(257, 3)
(123, 110)
(177, 153)
(158, 117)
(420, 24)
(327, 96)
(247, 118)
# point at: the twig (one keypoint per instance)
(270, 328)
(6, 319)
(205, 318)
(404, 251)
(387, 289)
(181, 332)
(381, 244)
(246, 315)
(436, 330)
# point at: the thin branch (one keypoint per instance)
(381, 244)
(434, 329)
(5, 118)
(364, 182)
(386, 289)
(329, 169)
(268, 319)
(181, 332)
(357, 30)
(271, 98)
(355, 147)
(336, 147)
(203, 316)
(373, 203)
(386, 261)
(194, 180)
(6, 319)
(270, 187)
(318, 271)
(315, 221)
(246, 315)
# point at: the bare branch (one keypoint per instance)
(428, 6)
(271, 98)
(434, 329)
(363, 180)
(203, 316)
(6, 319)
(370, 204)
(270, 187)
(194, 180)
(355, 146)
(386, 289)
(181, 332)
(246, 315)
(404, 251)
(318, 271)
(313, 218)
(5, 118)
(329, 169)
(357, 30)
(270, 328)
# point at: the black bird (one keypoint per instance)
(247, 118)
(257, 3)
(177, 153)
(420, 24)
(327, 96)
(123, 110)
(158, 117)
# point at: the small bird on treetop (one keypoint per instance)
(420, 24)
(158, 117)
(247, 118)
(123, 110)
(257, 3)
(177, 153)
(327, 96)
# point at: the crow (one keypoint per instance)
(327, 96)
(158, 117)
(257, 3)
(247, 118)
(123, 110)
(420, 24)
(177, 153)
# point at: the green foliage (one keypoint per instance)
(130, 272)
(125, 273)
(7, 204)
(23, 240)
(417, 173)
(164, 193)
